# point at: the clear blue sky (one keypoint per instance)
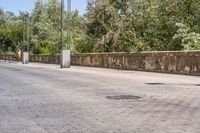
(27, 5)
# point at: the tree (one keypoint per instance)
(103, 26)
(78, 33)
(46, 27)
(108, 26)
(10, 31)
(189, 40)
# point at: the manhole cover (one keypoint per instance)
(16, 70)
(155, 83)
(123, 97)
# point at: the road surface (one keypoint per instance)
(41, 98)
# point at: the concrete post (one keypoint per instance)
(65, 58)
(25, 58)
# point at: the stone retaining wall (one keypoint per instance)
(7, 57)
(170, 62)
(50, 59)
(173, 62)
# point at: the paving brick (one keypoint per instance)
(41, 98)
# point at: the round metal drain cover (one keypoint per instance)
(155, 83)
(122, 97)
(16, 70)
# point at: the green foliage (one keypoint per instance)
(10, 31)
(45, 23)
(148, 25)
(190, 40)
(107, 26)
(102, 26)
(78, 36)
(46, 28)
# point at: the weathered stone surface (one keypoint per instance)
(171, 62)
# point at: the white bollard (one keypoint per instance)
(25, 58)
(65, 58)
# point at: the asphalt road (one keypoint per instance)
(41, 98)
